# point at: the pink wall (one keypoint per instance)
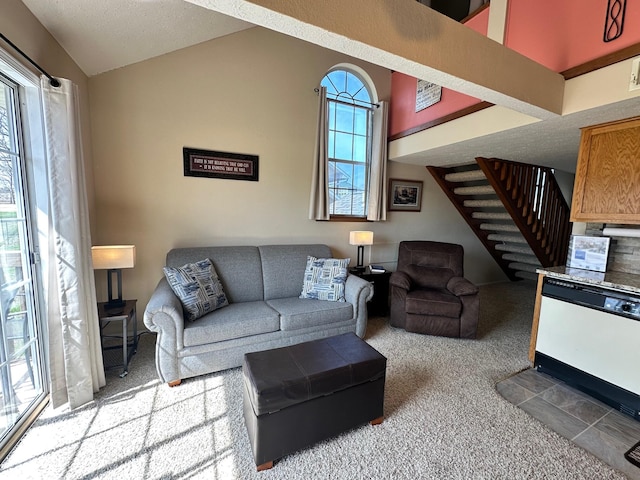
(536, 28)
(558, 34)
(402, 108)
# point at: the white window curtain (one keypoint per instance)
(319, 201)
(75, 357)
(377, 210)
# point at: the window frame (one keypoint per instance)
(30, 133)
(333, 162)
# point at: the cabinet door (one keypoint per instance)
(607, 184)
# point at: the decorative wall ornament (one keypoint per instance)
(614, 23)
(229, 166)
(427, 94)
(405, 195)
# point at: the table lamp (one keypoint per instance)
(113, 258)
(360, 238)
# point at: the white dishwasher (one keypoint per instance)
(589, 337)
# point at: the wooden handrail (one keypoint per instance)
(438, 174)
(534, 200)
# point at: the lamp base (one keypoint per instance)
(117, 303)
(357, 270)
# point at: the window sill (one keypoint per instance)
(347, 218)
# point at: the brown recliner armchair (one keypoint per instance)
(429, 293)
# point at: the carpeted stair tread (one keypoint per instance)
(497, 237)
(479, 190)
(526, 275)
(468, 176)
(483, 204)
(518, 257)
(491, 215)
(499, 227)
(505, 247)
(523, 267)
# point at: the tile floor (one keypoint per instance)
(584, 420)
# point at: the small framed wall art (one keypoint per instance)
(405, 195)
(427, 94)
(588, 253)
(212, 164)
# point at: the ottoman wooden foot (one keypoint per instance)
(175, 383)
(265, 466)
(376, 421)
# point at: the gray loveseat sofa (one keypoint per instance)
(262, 285)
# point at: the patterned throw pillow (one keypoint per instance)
(198, 287)
(324, 279)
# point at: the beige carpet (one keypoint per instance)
(443, 419)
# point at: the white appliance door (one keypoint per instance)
(602, 344)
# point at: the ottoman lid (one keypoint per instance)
(278, 378)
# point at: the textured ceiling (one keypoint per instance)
(101, 35)
(553, 143)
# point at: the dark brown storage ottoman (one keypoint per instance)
(298, 395)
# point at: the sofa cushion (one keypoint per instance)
(198, 288)
(324, 279)
(296, 313)
(433, 302)
(283, 267)
(429, 277)
(235, 321)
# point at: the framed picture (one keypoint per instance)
(211, 164)
(405, 195)
(588, 253)
(427, 94)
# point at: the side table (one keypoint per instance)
(127, 343)
(379, 304)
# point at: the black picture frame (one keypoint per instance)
(404, 195)
(224, 165)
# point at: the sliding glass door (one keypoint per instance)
(21, 373)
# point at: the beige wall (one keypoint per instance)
(250, 92)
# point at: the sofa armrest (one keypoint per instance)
(460, 286)
(358, 292)
(164, 315)
(400, 280)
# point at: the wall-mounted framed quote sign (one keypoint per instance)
(212, 164)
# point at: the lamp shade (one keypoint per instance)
(360, 237)
(106, 257)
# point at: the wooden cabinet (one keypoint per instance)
(536, 319)
(607, 183)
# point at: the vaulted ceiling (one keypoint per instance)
(101, 35)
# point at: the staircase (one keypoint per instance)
(515, 209)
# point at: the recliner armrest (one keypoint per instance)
(460, 286)
(400, 280)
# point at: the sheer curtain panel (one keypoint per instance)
(75, 357)
(319, 201)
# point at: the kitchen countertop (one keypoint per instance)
(628, 282)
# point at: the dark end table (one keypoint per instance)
(379, 304)
(126, 342)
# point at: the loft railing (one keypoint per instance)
(534, 200)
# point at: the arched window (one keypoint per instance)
(350, 108)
